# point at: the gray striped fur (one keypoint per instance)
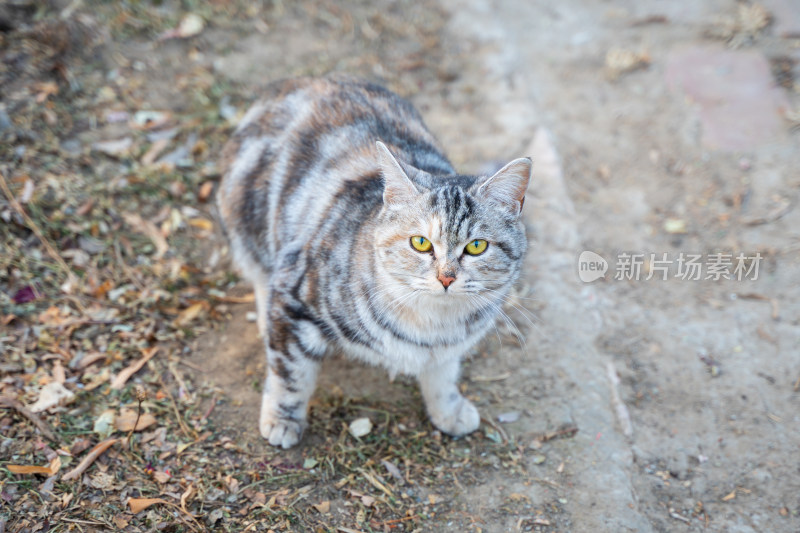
(320, 214)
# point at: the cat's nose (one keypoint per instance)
(446, 278)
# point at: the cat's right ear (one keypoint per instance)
(397, 187)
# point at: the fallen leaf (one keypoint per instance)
(118, 147)
(51, 395)
(120, 379)
(127, 418)
(45, 89)
(162, 476)
(154, 151)
(620, 60)
(189, 314)
(49, 470)
(25, 294)
(59, 374)
(201, 223)
(487, 379)
(104, 424)
(188, 493)
(189, 26)
(393, 470)
(323, 507)
(140, 504)
(148, 228)
(730, 496)
(102, 481)
(205, 191)
(149, 120)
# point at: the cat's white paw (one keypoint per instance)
(463, 418)
(283, 432)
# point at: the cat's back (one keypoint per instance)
(305, 153)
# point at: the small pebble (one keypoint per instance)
(360, 427)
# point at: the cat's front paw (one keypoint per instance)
(463, 418)
(283, 432)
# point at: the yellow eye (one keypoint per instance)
(421, 244)
(476, 247)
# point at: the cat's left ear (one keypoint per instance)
(397, 187)
(506, 189)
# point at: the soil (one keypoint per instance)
(655, 128)
(702, 431)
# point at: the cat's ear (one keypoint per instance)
(506, 189)
(397, 187)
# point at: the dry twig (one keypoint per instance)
(51, 251)
(11, 403)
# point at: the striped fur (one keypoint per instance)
(320, 214)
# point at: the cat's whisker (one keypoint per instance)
(510, 323)
(527, 314)
(510, 295)
(484, 313)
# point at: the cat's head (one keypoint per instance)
(455, 236)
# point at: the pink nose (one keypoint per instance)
(446, 280)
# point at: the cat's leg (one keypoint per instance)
(291, 380)
(448, 409)
(262, 304)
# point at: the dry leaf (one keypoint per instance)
(59, 374)
(323, 507)
(127, 418)
(201, 223)
(730, 496)
(102, 481)
(154, 151)
(188, 493)
(189, 314)
(140, 504)
(118, 147)
(620, 60)
(393, 470)
(45, 88)
(51, 395)
(189, 26)
(120, 379)
(149, 120)
(148, 228)
(205, 191)
(49, 470)
(162, 476)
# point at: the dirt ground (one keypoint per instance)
(656, 128)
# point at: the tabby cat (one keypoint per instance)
(360, 238)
